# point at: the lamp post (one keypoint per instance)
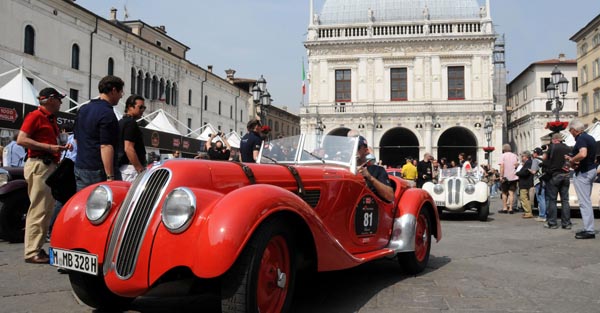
(488, 127)
(262, 98)
(556, 89)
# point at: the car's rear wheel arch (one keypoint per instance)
(434, 225)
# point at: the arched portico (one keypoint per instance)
(341, 131)
(457, 140)
(396, 145)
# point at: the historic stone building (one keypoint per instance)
(588, 66)
(73, 48)
(528, 110)
(411, 78)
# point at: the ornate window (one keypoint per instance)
(147, 84)
(343, 85)
(456, 83)
(29, 40)
(111, 66)
(399, 84)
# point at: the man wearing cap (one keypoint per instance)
(251, 142)
(582, 161)
(39, 134)
(97, 135)
(538, 190)
(375, 175)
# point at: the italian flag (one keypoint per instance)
(303, 79)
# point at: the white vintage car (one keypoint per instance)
(459, 190)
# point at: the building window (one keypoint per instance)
(169, 49)
(584, 104)
(29, 40)
(174, 94)
(399, 84)
(161, 90)
(219, 107)
(596, 100)
(456, 83)
(158, 43)
(75, 56)
(168, 92)
(241, 115)
(583, 49)
(190, 97)
(270, 123)
(133, 77)
(231, 111)
(111, 66)
(74, 95)
(524, 93)
(147, 84)
(189, 124)
(140, 83)
(545, 82)
(276, 126)
(154, 87)
(596, 40)
(575, 84)
(219, 127)
(343, 85)
(584, 75)
(596, 68)
(205, 103)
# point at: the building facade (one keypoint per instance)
(282, 122)
(588, 67)
(411, 78)
(528, 108)
(73, 48)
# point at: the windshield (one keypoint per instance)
(475, 174)
(308, 149)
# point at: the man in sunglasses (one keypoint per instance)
(39, 134)
(132, 153)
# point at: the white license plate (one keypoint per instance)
(74, 260)
(440, 203)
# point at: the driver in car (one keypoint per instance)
(375, 175)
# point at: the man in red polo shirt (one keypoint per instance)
(39, 134)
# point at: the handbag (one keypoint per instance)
(62, 181)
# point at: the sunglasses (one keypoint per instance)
(143, 107)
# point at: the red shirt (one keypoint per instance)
(41, 126)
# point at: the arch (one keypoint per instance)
(75, 56)
(133, 79)
(168, 92)
(147, 84)
(111, 66)
(140, 83)
(396, 145)
(154, 87)
(174, 94)
(455, 140)
(341, 131)
(29, 42)
(161, 90)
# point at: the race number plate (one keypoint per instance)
(74, 260)
(367, 217)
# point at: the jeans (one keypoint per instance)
(84, 178)
(583, 186)
(540, 194)
(558, 184)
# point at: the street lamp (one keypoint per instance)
(261, 97)
(488, 127)
(556, 89)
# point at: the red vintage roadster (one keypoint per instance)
(246, 228)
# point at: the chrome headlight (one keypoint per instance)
(4, 177)
(470, 189)
(178, 210)
(438, 189)
(98, 204)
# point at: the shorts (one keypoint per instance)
(509, 186)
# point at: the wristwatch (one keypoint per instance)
(110, 177)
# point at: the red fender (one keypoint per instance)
(411, 202)
(73, 231)
(226, 227)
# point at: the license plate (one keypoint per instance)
(74, 260)
(440, 203)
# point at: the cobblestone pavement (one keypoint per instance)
(507, 264)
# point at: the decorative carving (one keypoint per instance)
(360, 47)
(370, 15)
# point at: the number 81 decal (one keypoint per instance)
(366, 217)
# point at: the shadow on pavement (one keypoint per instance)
(464, 216)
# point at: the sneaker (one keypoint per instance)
(551, 226)
(540, 219)
(585, 235)
(568, 226)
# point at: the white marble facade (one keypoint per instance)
(425, 42)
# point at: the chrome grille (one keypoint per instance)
(454, 191)
(135, 220)
(450, 185)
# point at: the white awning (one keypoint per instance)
(19, 89)
(162, 123)
(205, 135)
(234, 139)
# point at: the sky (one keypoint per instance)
(265, 37)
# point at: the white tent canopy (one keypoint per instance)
(206, 131)
(234, 139)
(161, 123)
(19, 89)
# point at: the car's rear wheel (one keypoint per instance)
(484, 211)
(92, 291)
(416, 261)
(263, 277)
(13, 212)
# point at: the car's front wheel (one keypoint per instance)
(92, 291)
(416, 261)
(262, 278)
(13, 212)
(484, 211)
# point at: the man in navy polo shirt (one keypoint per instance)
(97, 135)
(251, 142)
